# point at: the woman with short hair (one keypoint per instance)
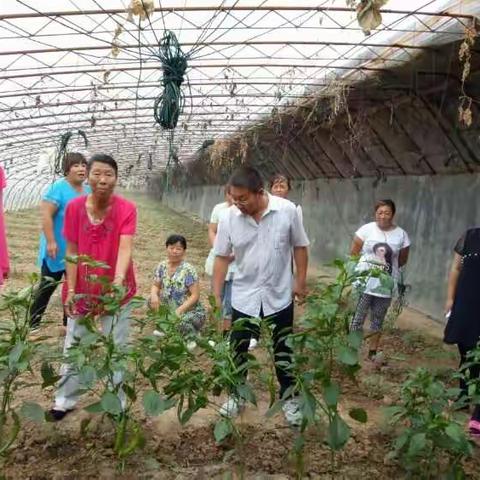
(100, 226)
(384, 245)
(280, 186)
(176, 283)
(53, 246)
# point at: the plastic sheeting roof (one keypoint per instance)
(58, 71)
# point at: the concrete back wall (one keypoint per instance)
(434, 210)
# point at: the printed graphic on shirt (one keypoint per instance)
(383, 257)
(380, 251)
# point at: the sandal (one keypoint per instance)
(474, 428)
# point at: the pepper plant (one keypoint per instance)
(178, 377)
(432, 441)
(322, 350)
(18, 353)
(109, 371)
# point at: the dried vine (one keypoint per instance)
(465, 56)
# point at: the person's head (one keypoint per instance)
(280, 185)
(384, 213)
(75, 167)
(246, 190)
(102, 174)
(176, 247)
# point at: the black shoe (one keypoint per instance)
(55, 415)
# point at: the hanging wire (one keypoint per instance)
(74, 27)
(169, 105)
(62, 149)
(205, 27)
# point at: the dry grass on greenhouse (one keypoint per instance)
(59, 451)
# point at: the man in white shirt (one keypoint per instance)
(217, 212)
(264, 231)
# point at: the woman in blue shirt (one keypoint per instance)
(51, 256)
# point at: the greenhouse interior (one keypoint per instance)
(238, 239)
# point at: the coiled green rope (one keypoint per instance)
(62, 149)
(169, 105)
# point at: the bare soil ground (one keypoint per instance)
(59, 451)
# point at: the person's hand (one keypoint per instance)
(300, 289)
(217, 305)
(69, 304)
(52, 249)
(231, 258)
(448, 306)
(154, 302)
(226, 324)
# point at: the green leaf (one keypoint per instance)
(154, 404)
(308, 405)
(15, 354)
(48, 375)
(245, 391)
(455, 432)
(358, 414)
(331, 393)
(90, 338)
(94, 408)
(417, 444)
(223, 428)
(338, 433)
(111, 403)
(401, 441)
(33, 411)
(348, 356)
(393, 412)
(275, 408)
(355, 339)
(87, 376)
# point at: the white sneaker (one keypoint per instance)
(291, 410)
(191, 345)
(232, 407)
(253, 344)
(158, 333)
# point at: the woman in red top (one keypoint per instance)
(101, 226)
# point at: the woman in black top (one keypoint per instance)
(463, 307)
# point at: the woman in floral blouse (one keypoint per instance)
(176, 283)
